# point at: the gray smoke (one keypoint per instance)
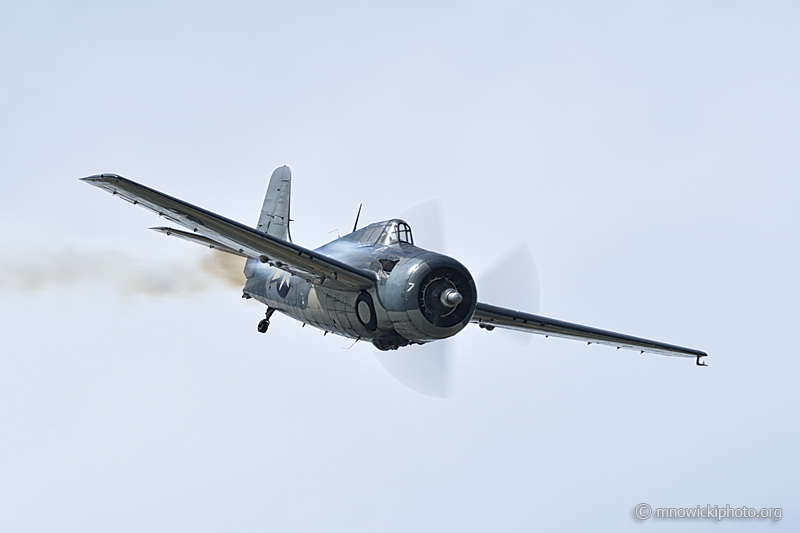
(124, 273)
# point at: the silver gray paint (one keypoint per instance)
(335, 275)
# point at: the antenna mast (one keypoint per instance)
(357, 215)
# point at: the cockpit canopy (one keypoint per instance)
(385, 233)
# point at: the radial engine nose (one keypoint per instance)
(429, 297)
(451, 298)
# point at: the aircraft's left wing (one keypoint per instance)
(237, 237)
(490, 316)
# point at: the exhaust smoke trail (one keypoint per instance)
(124, 273)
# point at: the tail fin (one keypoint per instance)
(274, 218)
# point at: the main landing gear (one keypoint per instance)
(264, 324)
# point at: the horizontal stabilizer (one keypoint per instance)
(199, 239)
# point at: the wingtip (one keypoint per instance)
(99, 177)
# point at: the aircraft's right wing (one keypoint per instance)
(490, 316)
(237, 237)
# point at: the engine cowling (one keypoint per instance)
(429, 297)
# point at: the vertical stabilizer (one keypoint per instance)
(274, 218)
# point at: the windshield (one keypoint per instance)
(386, 233)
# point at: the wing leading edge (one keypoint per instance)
(237, 237)
(490, 316)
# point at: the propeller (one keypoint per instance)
(512, 281)
(427, 368)
(427, 224)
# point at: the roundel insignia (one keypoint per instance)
(365, 311)
(283, 281)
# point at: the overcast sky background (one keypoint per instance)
(647, 153)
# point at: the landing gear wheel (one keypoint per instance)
(264, 324)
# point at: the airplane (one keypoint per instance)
(373, 284)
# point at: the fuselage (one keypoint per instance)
(406, 305)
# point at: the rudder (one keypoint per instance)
(274, 218)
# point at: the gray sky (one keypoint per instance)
(647, 152)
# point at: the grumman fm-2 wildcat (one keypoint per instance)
(372, 285)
